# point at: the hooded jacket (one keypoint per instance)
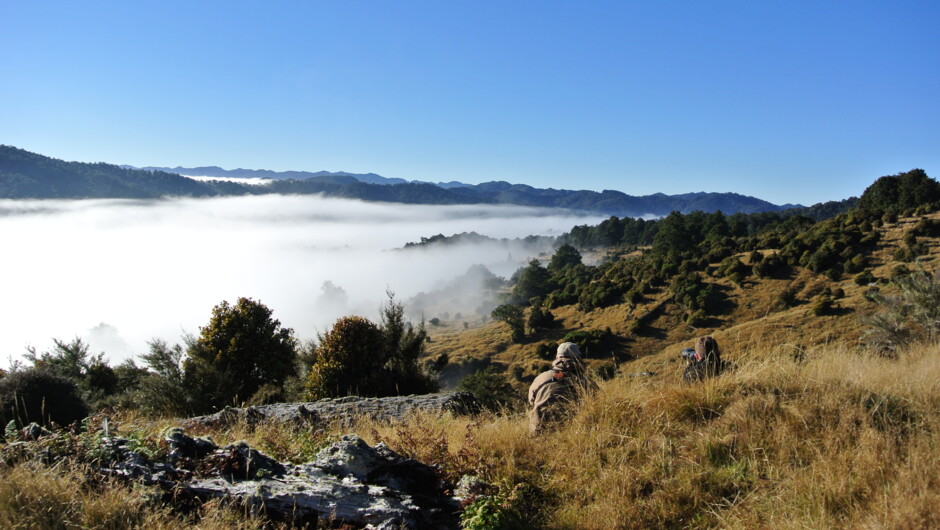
(554, 391)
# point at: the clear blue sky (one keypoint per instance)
(788, 101)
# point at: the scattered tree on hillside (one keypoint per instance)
(566, 256)
(540, 318)
(514, 317)
(242, 348)
(356, 356)
(534, 281)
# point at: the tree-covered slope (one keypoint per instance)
(29, 175)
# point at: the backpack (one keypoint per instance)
(706, 362)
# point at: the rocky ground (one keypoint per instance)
(342, 410)
(349, 483)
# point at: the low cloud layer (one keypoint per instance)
(120, 272)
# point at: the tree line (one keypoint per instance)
(243, 355)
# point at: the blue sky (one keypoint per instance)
(787, 101)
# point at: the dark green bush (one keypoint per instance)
(691, 293)
(787, 297)
(926, 228)
(358, 357)
(492, 389)
(546, 350)
(588, 341)
(697, 319)
(37, 395)
(864, 278)
(822, 306)
(731, 266)
(540, 318)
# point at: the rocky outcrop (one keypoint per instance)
(342, 410)
(349, 482)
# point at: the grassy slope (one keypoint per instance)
(753, 315)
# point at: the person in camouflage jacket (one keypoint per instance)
(555, 392)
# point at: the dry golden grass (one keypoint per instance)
(836, 439)
(828, 439)
(34, 496)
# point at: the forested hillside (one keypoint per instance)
(28, 175)
(780, 276)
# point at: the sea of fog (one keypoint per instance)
(119, 273)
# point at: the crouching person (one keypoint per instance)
(555, 393)
(702, 361)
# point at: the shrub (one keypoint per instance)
(490, 386)
(787, 297)
(691, 293)
(822, 306)
(697, 319)
(37, 395)
(162, 390)
(768, 266)
(899, 272)
(926, 228)
(731, 266)
(346, 358)
(586, 340)
(504, 510)
(855, 264)
(598, 294)
(358, 357)
(540, 318)
(546, 350)
(914, 314)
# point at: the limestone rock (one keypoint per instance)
(348, 482)
(342, 410)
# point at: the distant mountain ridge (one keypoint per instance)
(29, 175)
(216, 171)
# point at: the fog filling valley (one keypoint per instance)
(118, 273)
